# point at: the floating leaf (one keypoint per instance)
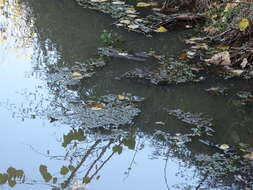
(143, 4)
(125, 22)
(243, 25)
(224, 147)
(96, 106)
(161, 29)
(118, 3)
(77, 75)
(133, 26)
(121, 97)
(248, 156)
(132, 15)
(222, 47)
(183, 56)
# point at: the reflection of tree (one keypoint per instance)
(89, 160)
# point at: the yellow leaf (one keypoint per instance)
(222, 47)
(243, 25)
(143, 4)
(161, 29)
(229, 6)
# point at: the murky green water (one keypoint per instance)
(37, 36)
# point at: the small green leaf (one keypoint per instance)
(64, 170)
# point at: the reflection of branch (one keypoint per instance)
(66, 183)
(165, 171)
(132, 161)
(98, 158)
(102, 165)
(202, 181)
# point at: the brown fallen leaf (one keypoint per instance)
(222, 58)
(96, 106)
(183, 56)
(248, 156)
(210, 30)
(121, 97)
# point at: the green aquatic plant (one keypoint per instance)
(111, 38)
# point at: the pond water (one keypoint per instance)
(43, 131)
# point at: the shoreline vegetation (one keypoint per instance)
(221, 31)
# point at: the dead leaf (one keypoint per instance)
(244, 63)
(222, 47)
(236, 72)
(229, 6)
(77, 75)
(183, 56)
(118, 3)
(222, 58)
(243, 25)
(121, 97)
(125, 22)
(161, 29)
(96, 106)
(224, 147)
(248, 156)
(143, 4)
(132, 15)
(133, 26)
(211, 30)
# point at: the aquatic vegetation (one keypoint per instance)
(111, 39)
(166, 73)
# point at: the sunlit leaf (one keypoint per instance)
(133, 26)
(222, 47)
(143, 4)
(161, 29)
(229, 6)
(224, 147)
(243, 25)
(125, 22)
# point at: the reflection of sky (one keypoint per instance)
(22, 90)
